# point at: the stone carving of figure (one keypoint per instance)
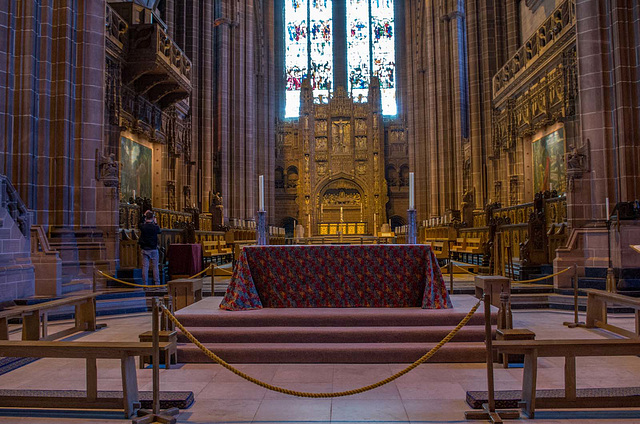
(574, 160)
(109, 170)
(217, 209)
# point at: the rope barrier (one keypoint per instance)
(543, 278)
(201, 272)
(268, 386)
(148, 286)
(224, 270)
(128, 283)
(465, 270)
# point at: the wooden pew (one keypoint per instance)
(597, 301)
(569, 349)
(33, 316)
(91, 351)
(439, 246)
(473, 246)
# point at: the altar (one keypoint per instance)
(336, 277)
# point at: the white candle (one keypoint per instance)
(607, 208)
(411, 191)
(261, 184)
(134, 194)
(341, 216)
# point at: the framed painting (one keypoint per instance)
(549, 167)
(135, 171)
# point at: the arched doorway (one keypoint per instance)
(289, 225)
(397, 221)
(342, 208)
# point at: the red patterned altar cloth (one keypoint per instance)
(336, 277)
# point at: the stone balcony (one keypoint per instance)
(154, 64)
(537, 52)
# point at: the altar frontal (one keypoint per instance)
(336, 277)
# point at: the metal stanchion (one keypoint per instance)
(489, 409)
(574, 282)
(450, 268)
(155, 415)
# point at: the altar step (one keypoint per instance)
(331, 335)
(336, 353)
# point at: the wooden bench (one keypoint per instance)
(439, 246)
(170, 354)
(597, 301)
(33, 316)
(216, 251)
(569, 349)
(459, 246)
(473, 246)
(91, 351)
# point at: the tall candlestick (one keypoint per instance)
(411, 191)
(607, 206)
(341, 216)
(261, 184)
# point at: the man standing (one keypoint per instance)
(148, 242)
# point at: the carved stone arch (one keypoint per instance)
(397, 221)
(279, 177)
(403, 176)
(292, 177)
(289, 224)
(392, 175)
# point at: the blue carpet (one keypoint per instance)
(10, 364)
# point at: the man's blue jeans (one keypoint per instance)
(150, 255)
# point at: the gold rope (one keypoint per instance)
(224, 270)
(545, 277)
(201, 272)
(465, 270)
(521, 281)
(128, 283)
(268, 386)
(147, 286)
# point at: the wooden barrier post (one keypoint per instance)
(489, 409)
(155, 415)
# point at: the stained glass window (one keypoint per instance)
(384, 52)
(370, 35)
(321, 51)
(296, 55)
(358, 51)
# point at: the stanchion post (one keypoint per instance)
(450, 268)
(156, 356)
(95, 279)
(213, 274)
(489, 409)
(574, 282)
(155, 415)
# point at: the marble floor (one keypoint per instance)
(432, 393)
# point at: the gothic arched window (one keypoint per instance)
(369, 49)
